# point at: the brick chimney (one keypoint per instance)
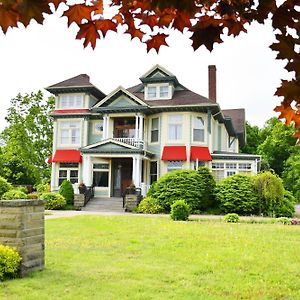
(212, 83)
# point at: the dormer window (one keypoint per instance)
(157, 92)
(71, 101)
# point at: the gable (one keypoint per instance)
(123, 101)
(157, 74)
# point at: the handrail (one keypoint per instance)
(89, 194)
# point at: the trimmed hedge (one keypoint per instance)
(53, 200)
(232, 218)
(180, 211)
(14, 194)
(149, 205)
(67, 191)
(5, 186)
(10, 261)
(194, 187)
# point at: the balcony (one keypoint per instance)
(131, 141)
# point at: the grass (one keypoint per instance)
(93, 257)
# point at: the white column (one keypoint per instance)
(136, 127)
(138, 172)
(141, 127)
(134, 170)
(104, 127)
(107, 127)
(53, 175)
(87, 170)
(85, 132)
(55, 135)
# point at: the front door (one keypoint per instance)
(121, 176)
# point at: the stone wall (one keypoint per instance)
(131, 202)
(79, 201)
(22, 226)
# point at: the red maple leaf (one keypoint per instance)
(105, 25)
(156, 41)
(8, 18)
(182, 20)
(286, 112)
(78, 12)
(89, 33)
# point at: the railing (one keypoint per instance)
(135, 191)
(131, 141)
(88, 195)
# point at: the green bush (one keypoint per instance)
(14, 194)
(188, 185)
(53, 200)
(33, 196)
(4, 186)
(66, 190)
(232, 218)
(43, 187)
(270, 190)
(236, 194)
(9, 262)
(287, 206)
(149, 205)
(21, 188)
(180, 211)
(208, 182)
(283, 220)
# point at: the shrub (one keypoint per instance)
(43, 187)
(236, 194)
(14, 194)
(188, 185)
(270, 190)
(149, 205)
(208, 182)
(232, 218)
(53, 200)
(33, 196)
(283, 220)
(4, 186)
(286, 208)
(21, 188)
(66, 190)
(180, 211)
(9, 262)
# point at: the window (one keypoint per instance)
(163, 91)
(198, 129)
(217, 165)
(100, 175)
(230, 166)
(157, 92)
(230, 173)
(69, 172)
(194, 165)
(154, 130)
(71, 101)
(245, 166)
(175, 127)
(153, 171)
(174, 165)
(98, 127)
(70, 133)
(151, 92)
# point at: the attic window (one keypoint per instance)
(156, 92)
(71, 101)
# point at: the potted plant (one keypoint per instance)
(82, 188)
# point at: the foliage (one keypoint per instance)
(291, 174)
(232, 218)
(287, 206)
(43, 187)
(253, 139)
(67, 191)
(21, 188)
(180, 211)
(208, 182)
(236, 194)
(283, 220)
(53, 200)
(10, 261)
(4, 186)
(33, 196)
(187, 185)
(14, 194)
(270, 190)
(27, 139)
(150, 21)
(149, 205)
(278, 144)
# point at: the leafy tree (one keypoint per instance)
(291, 174)
(253, 139)
(151, 21)
(278, 144)
(27, 139)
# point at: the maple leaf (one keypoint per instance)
(89, 33)
(285, 47)
(78, 12)
(8, 18)
(57, 2)
(286, 112)
(290, 90)
(166, 19)
(135, 33)
(151, 20)
(181, 21)
(105, 25)
(234, 27)
(156, 42)
(98, 7)
(118, 18)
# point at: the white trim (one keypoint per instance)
(159, 67)
(109, 141)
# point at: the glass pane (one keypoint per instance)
(152, 92)
(198, 135)
(172, 132)
(74, 173)
(153, 167)
(164, 91)
(100, 179)
(175, 119)
(178, 132)
(67, 165)
(154, 123)
(63, 173)
(198, 123)
(154, 136)
(60, 181)
(101, 166)
(74, 180)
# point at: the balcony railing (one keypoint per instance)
(131, 141)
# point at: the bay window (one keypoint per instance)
(68, 171)
(175, 127)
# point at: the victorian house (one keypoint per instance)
(138, 134)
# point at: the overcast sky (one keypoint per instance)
(39, 56)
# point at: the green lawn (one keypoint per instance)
(93, 257)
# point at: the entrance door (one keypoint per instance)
(121, 176)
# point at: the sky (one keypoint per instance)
(42, 55)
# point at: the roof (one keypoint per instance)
(79, 83)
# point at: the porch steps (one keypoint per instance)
(104, 205)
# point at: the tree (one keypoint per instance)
(278, 144)
(253, 139)
(206, 20)
(27, 139)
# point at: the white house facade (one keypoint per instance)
(136, 135)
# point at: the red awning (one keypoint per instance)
(174, 153)
(50, 160)
(66, 156)
(200, 153)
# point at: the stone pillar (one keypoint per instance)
(22, 226)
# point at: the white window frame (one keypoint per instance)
(175, 123)
(202, 128)
(103, 170)
(171, 168)
(151, 130)
(96, 123)
(71, 101)
(68, 169)
(158, 88)
(69, 129)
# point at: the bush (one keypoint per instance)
(232, 218)
(33, 196)
(283, 220)
(149, 205)
(14, 194)
(236, 194)
(43, 187)
(286, 208)
(5, 186)
(188, 185)
(66, 190)
(53, 200)
(180, 211)
(270, 190)
(208, 182)
(9, 262)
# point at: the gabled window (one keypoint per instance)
(151, 92)
(154, 130)
(156, 92)
(198, 129)
(175, 127)
(70, 133)
(163, 91)
(71, 101)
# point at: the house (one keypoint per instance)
(140, 133)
